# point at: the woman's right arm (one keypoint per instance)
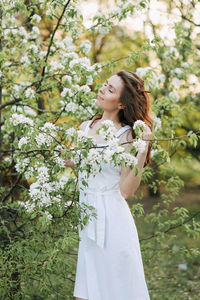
(68, 162)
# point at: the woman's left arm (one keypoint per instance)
(129, 182)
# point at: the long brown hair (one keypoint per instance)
(137, 104)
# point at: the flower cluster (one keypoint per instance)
(85, 46)
(139, 145)
(43, 139)
(44, 192)
(22, 164)
(17, 119)
(93, 158)
(30, 93)
(23, 141)
(151, 78)
(108, 130)
(157, 123)
(140, 128)
(46, 134)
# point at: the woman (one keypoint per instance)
(109, 265)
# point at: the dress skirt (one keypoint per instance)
(109, 265)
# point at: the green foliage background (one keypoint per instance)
(38, 256)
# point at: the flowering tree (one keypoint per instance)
(46, 91)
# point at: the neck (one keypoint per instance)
(111, 116)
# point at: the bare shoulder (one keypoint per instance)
(83, 125)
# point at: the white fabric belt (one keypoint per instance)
(99, 223)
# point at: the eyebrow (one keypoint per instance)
(111, 85)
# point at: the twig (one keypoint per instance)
(172, 227)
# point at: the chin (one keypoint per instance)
(98, 103)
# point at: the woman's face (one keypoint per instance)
(109, 95)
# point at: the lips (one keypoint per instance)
(99, 97)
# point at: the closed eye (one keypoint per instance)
(105, 84)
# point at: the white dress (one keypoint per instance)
(109, 265)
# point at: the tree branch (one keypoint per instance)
(172, 227)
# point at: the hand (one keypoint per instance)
(69, 163)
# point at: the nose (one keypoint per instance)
(102, 89)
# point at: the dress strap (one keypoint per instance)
(122, 130)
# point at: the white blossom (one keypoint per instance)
(129, 159)
(59, 161)
(70, 132)
(85, 88)
(71, 107)
(171, 51)
(66, 44)
(139, 145)
(89, 80)
(141, 127)
(108, 123)
(51, 127)
(185, 65)
(68, 92)
(20, 119)
(34, 48)
(85, 46)
(68, 78)
(35, 31)
(175, 96)
(29, 207)
(175, 82)
(67, 204)
(63, 180)
(23, 141)
(29, 172)
(22, 32)
(55, 65)
(140, 124)
(43, 53)
(21, 165)
(157, 123)
(7, 63)
(108, 154)
(109, 133)
(177, 71)
(93, 159)
(84, 61)
(103, 29)
(25, 60)
(162, 78)
(153, 152)
(17, 89)
(43, 139)
(48, 215)
(36, 18)
(40, 193)
(24, 109)
(30, 93)
(43, 174)
(7, 159)
(81, 135)
(93, 155)
(143, 71)
(113, 143)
